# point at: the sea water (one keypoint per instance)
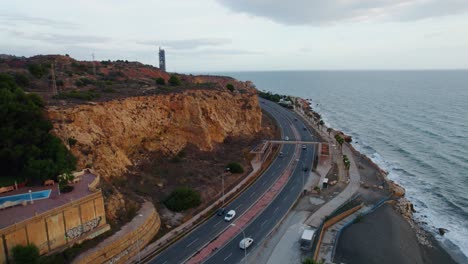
(414, 124)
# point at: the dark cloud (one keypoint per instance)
(185, 44)
(14, 19)
(320, 12)
(60, 39)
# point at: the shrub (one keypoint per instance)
(84, 95)
(160, 81)
(72, 141)
(25, 254)
(21, 80)
(230, 87)
(182, 198)
(235, 167)
(37, 70)
(174, 80)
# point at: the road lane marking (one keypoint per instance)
(264, 222)
(263, 183)
(286, 196)
(218, 223)
(191, 242)
(252, 194)
(230, 254)
(164, 262)
(238, 206)
(276, 210)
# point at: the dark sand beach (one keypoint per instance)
(385, 237)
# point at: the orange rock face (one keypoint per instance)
(109, 133)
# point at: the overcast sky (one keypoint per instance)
(239, 35)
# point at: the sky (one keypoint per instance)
(244, 35)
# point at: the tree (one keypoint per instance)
(329, 130)
(37, 70)
(174, 80)
(310, 260)
(160, 81)
(235, 167)
(64, 181)
(27, 149)
(230, 87)
(182, 198)
(321, 123)
(25, 254)
(339, 139)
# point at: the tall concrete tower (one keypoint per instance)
(162, 59)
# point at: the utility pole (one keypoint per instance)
(54, 83)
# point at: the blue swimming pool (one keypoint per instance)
(25, 196)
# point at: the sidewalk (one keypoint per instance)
(168, 238)
(316, 219)
(249, 215)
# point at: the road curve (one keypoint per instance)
(183, 249)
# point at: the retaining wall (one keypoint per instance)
(58, 228)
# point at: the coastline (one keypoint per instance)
(431, 249)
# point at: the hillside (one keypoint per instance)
(133, 131)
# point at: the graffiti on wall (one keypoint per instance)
(78, 231)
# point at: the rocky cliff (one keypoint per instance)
(108, 135)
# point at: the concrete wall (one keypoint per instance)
(58, 228)
(127, 242)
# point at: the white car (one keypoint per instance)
(245, 243)
(230, 215)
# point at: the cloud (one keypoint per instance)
(322, 12)
(185, 44)
(14, 19)
(60, 39)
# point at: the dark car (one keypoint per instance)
(221, 211)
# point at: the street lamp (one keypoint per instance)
(245, 248)
(222, 183)
(30, 197)
(303, 172)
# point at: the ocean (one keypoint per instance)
(413, 124)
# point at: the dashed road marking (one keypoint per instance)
(264, 222)
(238, 206)
(230, 254)
(252, 194)
(218, 223)
(276, 210)
(191, 242)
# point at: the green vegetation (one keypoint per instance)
(346, 162)
(310, 260)
(64, 181)
(174, 80)
(84, 82)
(72, 142)
(270, 96)
(182, 198)
(81, 95)
(21, 80)
(230, 87)
(339, 139)
(25, 254)
(38, 70)
(235, 167)
(27, 149)
(160, 81)
(329, 130)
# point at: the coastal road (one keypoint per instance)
(186, 247)
(259, 228)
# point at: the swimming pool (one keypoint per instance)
(26, 196)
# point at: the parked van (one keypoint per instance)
(307, 238)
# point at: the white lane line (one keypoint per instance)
(230, 254)
(238, 206)
(218, 223)
(286, 196)
(263, 183)
(164, 262)
(264, 222)
(252, 194)
(191, 242)
(275, 210)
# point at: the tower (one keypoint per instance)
(162, 59)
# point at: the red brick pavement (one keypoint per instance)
(248, 216)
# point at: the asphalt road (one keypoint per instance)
(186, 247)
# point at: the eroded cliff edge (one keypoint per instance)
(108, 134)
